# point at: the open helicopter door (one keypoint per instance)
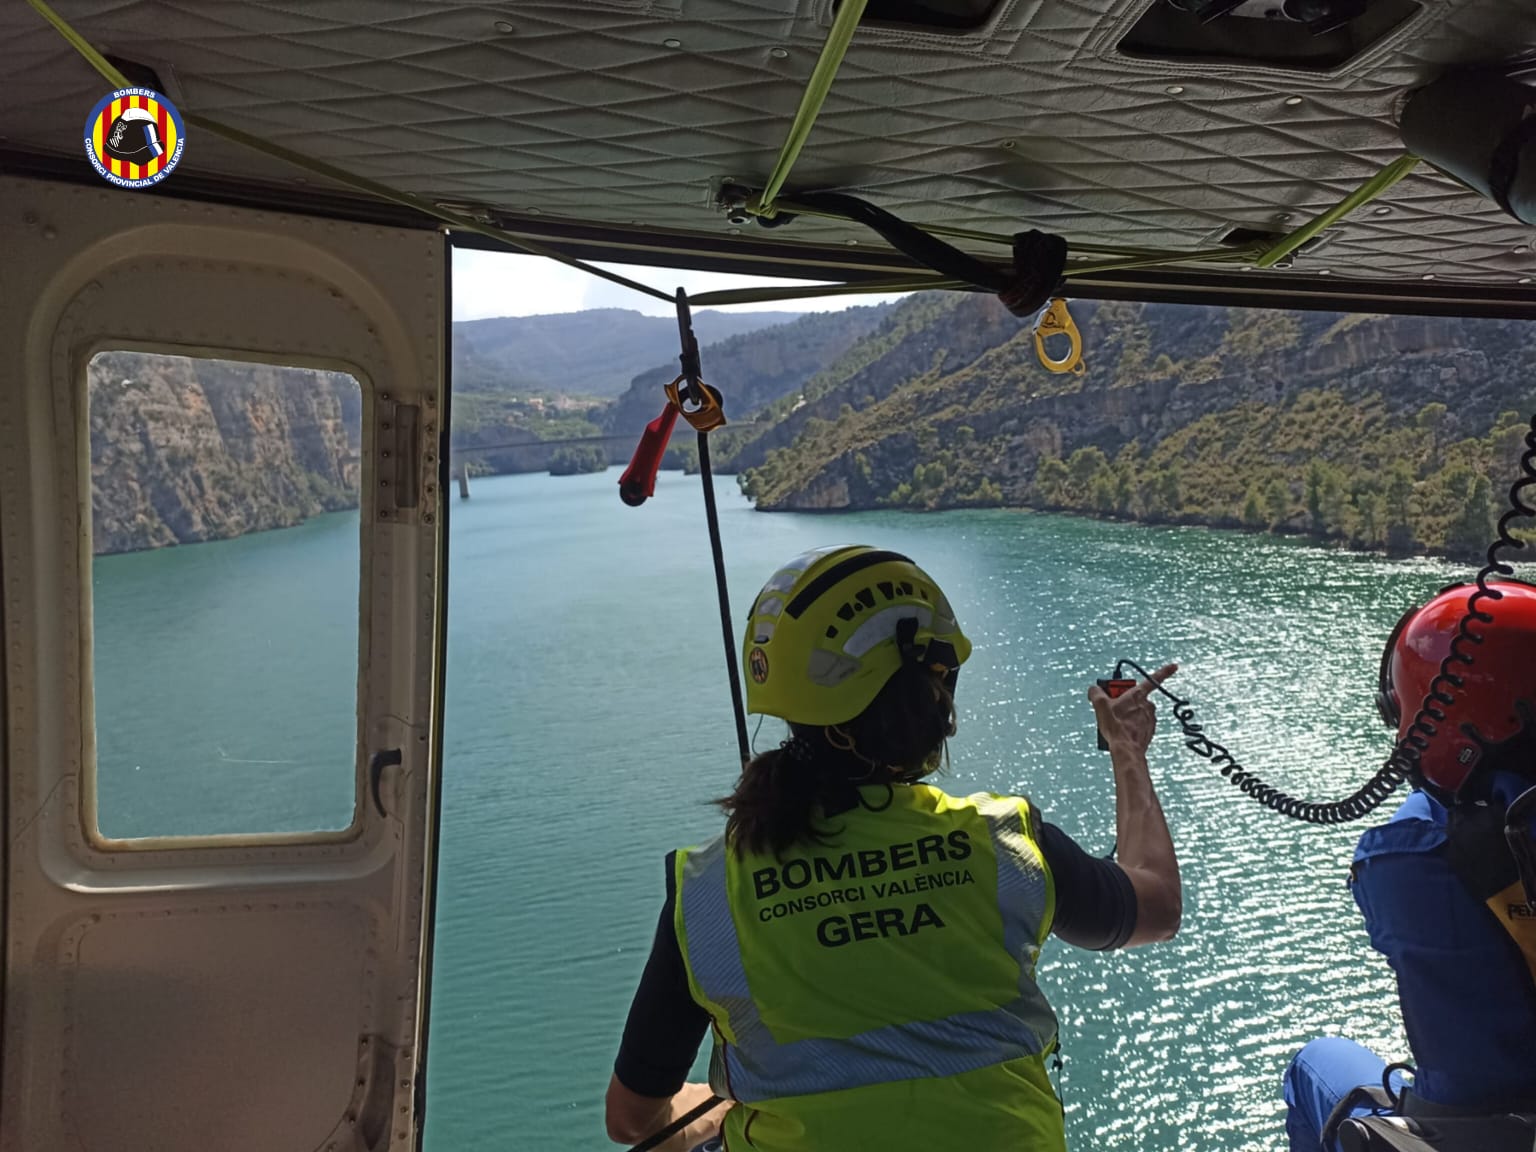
(254, 992)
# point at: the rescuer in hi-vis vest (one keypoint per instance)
(862, 945)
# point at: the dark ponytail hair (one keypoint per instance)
(900, 738)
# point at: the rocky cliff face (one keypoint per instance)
(186, 450)
(959, 374)
(1382, 431)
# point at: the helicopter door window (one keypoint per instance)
(225, 590)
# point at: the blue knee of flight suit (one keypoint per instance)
(1321, 1075)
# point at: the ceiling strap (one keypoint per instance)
(816, 90)
(1039, 258)
(1364, 194)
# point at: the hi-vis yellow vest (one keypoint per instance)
(878, 992)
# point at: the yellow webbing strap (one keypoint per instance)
(1519, 921)
(1364, 194)
(805, 292)
(340, 176)
(816, 90)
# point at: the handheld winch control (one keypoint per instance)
(1114, 689)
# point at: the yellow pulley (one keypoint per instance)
(702, 409)
(1057, 321)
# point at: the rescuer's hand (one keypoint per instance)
(1129, 721)
(1145, 850)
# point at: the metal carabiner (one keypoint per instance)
(1057, 321)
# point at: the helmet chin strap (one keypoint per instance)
(936, 656)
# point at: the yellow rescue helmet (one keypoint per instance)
(826, 633)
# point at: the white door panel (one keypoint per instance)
(255, 992)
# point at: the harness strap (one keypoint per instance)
(1374, 1095)
(1516, 917)
(1039, 258)
(1479, 850)
(844, 24)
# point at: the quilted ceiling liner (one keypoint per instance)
(628, 113)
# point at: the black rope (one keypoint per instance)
(676, 1126)
(713, 517)
(1404, 761)
(693, 388)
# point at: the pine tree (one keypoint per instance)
(1101, 492)
(1370, 511)
(1173, 490)
(1399, 503)
(1277, 502)
(1471, 528)
(1051, 477)
(1312, 494)
(1084, 465)
(1253, 508)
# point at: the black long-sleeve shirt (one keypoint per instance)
(1095, 909)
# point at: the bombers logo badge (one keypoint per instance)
(134, 137)
(757, 665)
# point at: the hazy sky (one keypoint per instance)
(496, 284)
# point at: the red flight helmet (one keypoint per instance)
(1502, 675)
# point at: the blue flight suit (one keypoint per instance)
(1467, 998)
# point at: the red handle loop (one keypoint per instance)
(638, 484)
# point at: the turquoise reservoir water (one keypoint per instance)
(589, 726)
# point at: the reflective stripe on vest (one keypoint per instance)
(751, 1066)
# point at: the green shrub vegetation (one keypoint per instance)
(1394, 433)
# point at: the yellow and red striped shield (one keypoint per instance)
(134, 137)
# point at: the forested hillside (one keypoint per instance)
(1389, 432)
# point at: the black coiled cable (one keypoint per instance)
(1403, 764)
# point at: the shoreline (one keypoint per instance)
(1227, 524)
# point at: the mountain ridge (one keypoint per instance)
(595, 353)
